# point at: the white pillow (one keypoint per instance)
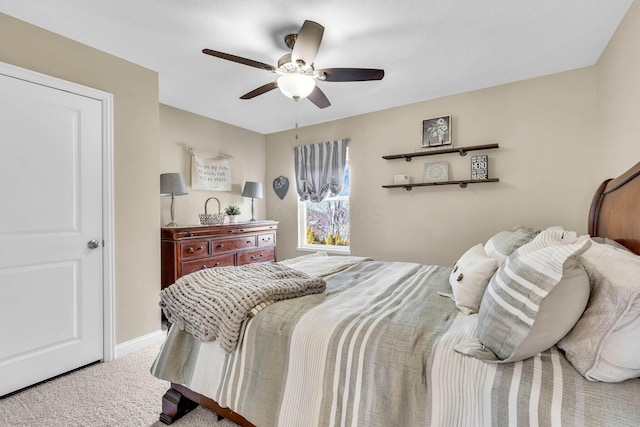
(605, 343)
(469, 278)
(620, 355)
(607, 241)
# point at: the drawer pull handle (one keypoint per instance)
(214, 265)
(266, 239)
(257, 257)
(220, 245)
(248, 242)
(190, 250)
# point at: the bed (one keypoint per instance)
(389, 343)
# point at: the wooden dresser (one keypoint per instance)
(191, 248)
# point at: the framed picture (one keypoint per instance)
(436, 172)
(436, 131)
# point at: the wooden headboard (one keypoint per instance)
(615, 210)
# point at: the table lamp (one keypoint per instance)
(253, 190)
(172, 184)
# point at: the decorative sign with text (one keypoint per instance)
(210, 174)
(479, 167)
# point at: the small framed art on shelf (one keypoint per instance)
(436, 131)
(401, 178)
(480, 167)
(436, 171)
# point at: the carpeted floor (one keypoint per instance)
(121, 393)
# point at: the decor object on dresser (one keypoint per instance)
(436, 172)
(232, 212)
(480, 167)
(172, 184)
(436, 131)
(211, 219)
(253, 190)
(281, 186)
(188, 249)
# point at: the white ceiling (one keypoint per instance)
(428, 48)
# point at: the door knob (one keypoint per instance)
(93, 244)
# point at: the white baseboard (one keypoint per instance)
(139, 343)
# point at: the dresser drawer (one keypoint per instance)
(226, 245)
(258, 255)
(194, 249)
(266, 239)
(201, 264)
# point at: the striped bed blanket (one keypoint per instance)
(376, 349)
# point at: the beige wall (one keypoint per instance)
(178, 127)
(618, 83)
(547, 135)
(136, 183)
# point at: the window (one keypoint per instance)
(324, 226)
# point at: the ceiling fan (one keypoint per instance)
(298, 76)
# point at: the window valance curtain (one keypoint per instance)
(320, 169)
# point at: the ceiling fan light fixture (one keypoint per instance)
(296, 86)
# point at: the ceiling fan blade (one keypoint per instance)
(259, 91)
(350, 74)
(307, 43)
(240, 60)
(319, 98)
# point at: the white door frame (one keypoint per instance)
(108, 254)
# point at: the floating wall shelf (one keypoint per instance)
(460, 150)
(462, 183)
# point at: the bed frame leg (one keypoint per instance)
(174, 406)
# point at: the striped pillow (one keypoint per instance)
(533, 300)
(504, 243)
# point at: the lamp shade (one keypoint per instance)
(172, 184)
(296, 86)
(253, 190)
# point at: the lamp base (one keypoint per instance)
(171, 224)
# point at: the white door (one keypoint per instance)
(51, 282)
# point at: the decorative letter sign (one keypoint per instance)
(479, 167)
(210, 174)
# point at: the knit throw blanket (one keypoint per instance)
(212, 304)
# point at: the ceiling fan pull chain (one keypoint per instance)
(296, 118)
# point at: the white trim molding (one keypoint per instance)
(139, 343)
